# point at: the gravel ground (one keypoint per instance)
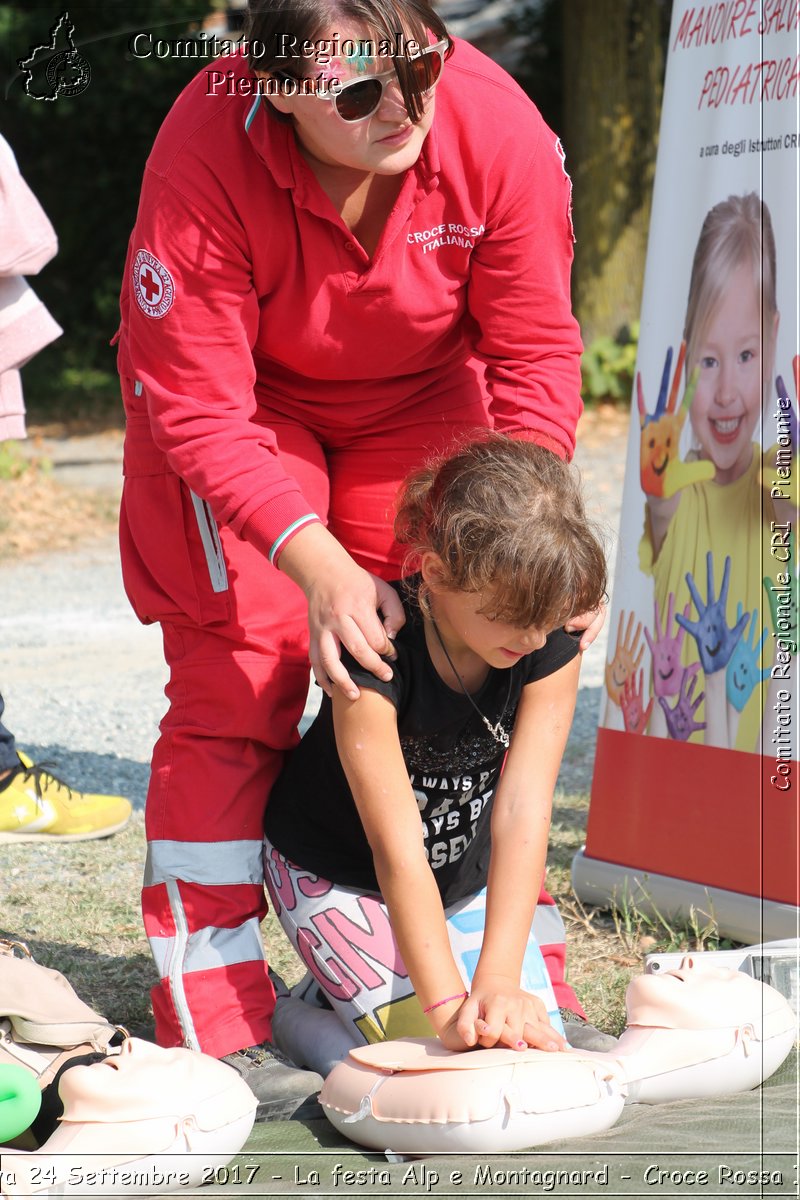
(83, 680)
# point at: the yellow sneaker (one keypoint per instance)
(36, 806)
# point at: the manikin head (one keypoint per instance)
(694, 997)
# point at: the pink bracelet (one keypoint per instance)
(447, 999)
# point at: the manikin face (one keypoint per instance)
(386, 143)
(693, 997)
(140, 1082)
(733, 366)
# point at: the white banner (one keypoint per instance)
(696, 779)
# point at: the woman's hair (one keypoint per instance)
(507, 520)
(273, 26)
(736, 231)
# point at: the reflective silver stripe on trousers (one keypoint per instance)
(172, 966)
(207, 949)
(548, 927)
(213, 864)
(209, 536)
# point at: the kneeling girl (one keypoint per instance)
(406, 837)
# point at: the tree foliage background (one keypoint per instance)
(594, 67)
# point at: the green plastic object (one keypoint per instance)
(20, 1100)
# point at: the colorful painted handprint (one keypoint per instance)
(626, 660)
(744, 673)
(634, 714)
(662, 473)
(666, 651)
(680, 718)
(715, 640)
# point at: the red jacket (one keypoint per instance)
(243, 288)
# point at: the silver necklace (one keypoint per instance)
(497, 731)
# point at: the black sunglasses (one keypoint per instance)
(358, 99)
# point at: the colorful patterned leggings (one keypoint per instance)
(346, 941)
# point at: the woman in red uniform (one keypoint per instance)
(353, 245)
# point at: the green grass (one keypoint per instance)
(12, 463)
(76, 905)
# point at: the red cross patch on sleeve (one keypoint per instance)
(152, 285)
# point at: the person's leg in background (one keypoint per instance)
(238, 683)
(35, 805)
(365, 473)
(9, 759)
(232, 715)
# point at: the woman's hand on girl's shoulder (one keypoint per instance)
(588, 624)
(345, 606)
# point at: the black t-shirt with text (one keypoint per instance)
(453, 765)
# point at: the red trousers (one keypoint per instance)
(238, 682)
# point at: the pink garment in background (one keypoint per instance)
(27, 242)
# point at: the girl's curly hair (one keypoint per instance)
(507, 520)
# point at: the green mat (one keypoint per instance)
(745, 1145)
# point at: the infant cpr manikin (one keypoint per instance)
(701, 1031)
(691, 1033)
(142, 1121)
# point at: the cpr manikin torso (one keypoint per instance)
(149, 1114)
(696, 1032)
(166, 1115)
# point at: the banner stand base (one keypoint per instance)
(740, 917)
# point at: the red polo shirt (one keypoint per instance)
(245, 292)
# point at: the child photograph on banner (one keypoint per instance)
(694, 799)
